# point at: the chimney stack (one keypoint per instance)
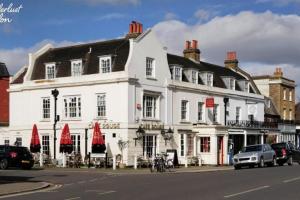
(192, 51)
(135, 29)
(231, 60)
(278, 72)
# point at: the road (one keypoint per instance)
(247, 184)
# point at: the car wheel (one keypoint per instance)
(280, 163)
(273, 162)
(261, 162)
(290, 161)
(4, 164)
(236, 167)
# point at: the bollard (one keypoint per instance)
(41, 160)
(89, 160)
(114, 162)
(200, 161)
(64, 160)
(135, 162)
(186, 162)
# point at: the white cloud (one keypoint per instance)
(265, 38)
(204, 15)
(111, 16)
(170, 16)
(279, 2)
(107, 2)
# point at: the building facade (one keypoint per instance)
(4, 99)
(132, 84)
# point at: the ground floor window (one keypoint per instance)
(190, 145)
(204, 144)
(6, 142)
(45, 145)
(149, 145)
(18, 141)
(76, 143)
(181, 144)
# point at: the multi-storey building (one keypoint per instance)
(138, 93)
(4, 98)
(282, 92)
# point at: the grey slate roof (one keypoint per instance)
(3, 71)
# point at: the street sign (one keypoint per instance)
(210, 102)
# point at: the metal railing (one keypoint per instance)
(251, 124)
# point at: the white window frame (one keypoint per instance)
(184, 110)
(209, 79)
(201, 115)
(238, 113)
(216, 113)
(150, 67)
(105, 65)
(182, 144)
(194, 77)
(284, 113)
(154, 106)
(203, 148)
(46, 108)
(101, 105)
(175, 71)
(231, 83)
(290, 114)
(46, 144)
(76, 141)
(290, 95)
(149, 146)
(76, 67)
(284, 94)
(50, 71)
(247, 86)
(71, 112)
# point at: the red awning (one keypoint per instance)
(66, 136)
(35, 144)
(97, 136)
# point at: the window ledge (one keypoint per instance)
(151, 78)
(45, 120)
(101, 118)
(201, 122)
(71, 119)
(185, 122)
(151, 119)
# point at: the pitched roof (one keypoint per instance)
(3, 71)
(20, 78)
(89, 53)
(218, 71)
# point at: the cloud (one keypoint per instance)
(204, 15)
(111, 16)
(170, 16)
(279, 2)
(265, 38)
(18, 57)
(106, 2)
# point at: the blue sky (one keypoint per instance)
(265, 33)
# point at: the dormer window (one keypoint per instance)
(105, 64)
(76, 67)
(177, 73)
(209, 79)
(50, 71)
(246, 86)
(231, 83)
(150, 67)
(194, 76)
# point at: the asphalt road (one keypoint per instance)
(258, 183)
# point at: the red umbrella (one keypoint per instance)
(35, 145)
(98, 143)
(66, 144)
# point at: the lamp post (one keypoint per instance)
(139, 134)
(56, 118)
(167, 135)
(225, 100)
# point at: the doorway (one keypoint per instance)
(220, 150)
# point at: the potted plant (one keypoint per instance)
(122, 145)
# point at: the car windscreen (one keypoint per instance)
(252, 148)
(278, 146)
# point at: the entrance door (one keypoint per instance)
(220, 150)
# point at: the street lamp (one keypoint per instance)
(56, 118)
(139, 134)
(225, 100)
(167, 135)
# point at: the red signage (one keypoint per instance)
(210, 102)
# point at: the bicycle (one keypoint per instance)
(161, 163)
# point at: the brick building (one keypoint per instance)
(4, 97)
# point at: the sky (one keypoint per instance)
(264, 33)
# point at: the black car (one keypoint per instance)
(286, 153)
(15, 156)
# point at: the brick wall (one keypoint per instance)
(4, 101)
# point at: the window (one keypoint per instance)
(251, 118)
(149, 146)
(215, 113)
(184, 110)
(6, 142)
(150, 106)
(194, 77)
(18, 141)
(238, 114)
(72, 107)
(231, 84)
(105, 64)
(284, 114)
(201, 111)
(209, 79)
(291, 95)
(284, 94)
(76, 67)
(45, 145)
(176, 73)
(46, 108)
(150, 67)
(190, 145)
(101, 105)
(181, 144)
(50, 71)
(76, 143)
(291, 114)
(204, 144)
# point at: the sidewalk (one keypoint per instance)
(8, 188)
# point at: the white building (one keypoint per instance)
(129, 83)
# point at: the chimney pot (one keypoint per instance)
(195, 44)
(135, 29)
(187, 44)
(231, 55)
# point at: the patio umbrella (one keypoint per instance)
(98, 143)
(66, 144)
(35, 145)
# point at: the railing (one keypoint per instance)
(251, 124)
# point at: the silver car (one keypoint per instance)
(252, 155)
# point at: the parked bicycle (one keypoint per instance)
(161, 163)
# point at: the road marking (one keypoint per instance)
(73, 198)
(99, 191)
(247, 191)
(107, 192)
(292, 179)
(81, 182)
(68, 184)
(93, 180)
